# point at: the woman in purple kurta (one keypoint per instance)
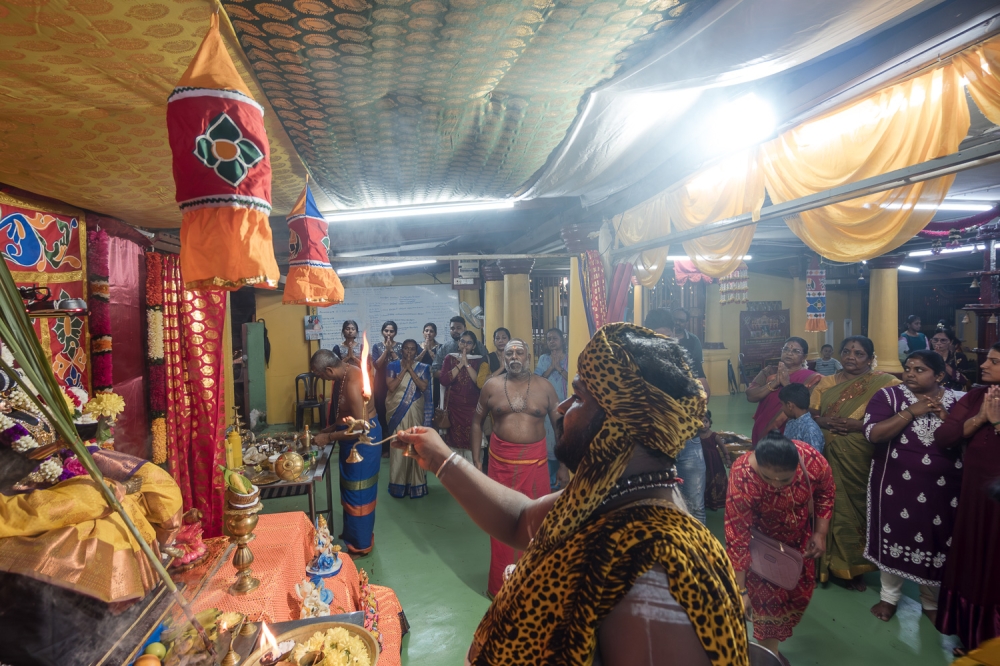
(914, 486)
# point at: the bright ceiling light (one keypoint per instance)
(909, 269)
(741, 123)
(970, 207)
(377, 268)
(948, 250)
(412, 211)
(684, 257)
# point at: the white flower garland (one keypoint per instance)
(155, 334)
(20, 401)
(49, 471)
(22, 445)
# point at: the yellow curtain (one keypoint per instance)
(904, 124)
(729, 188)
(646, 221)
(980, 67)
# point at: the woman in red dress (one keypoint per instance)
(769, 492)
(969, 603)
(458, 374)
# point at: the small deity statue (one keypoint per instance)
(316, 599)
(327, 560)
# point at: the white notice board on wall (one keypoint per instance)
(409, 307)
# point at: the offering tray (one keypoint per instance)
(304, 632)
(265, 478)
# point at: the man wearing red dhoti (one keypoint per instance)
(518, 457)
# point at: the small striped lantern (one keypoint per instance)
(311, 279)
(222, 170)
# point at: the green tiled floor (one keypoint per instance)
(436, 560)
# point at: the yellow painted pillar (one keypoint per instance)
(517, 298)
(493, 294)
(883, 304)
(637, 312)
(579, 329)
(471, 298)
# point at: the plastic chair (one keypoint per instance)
(310, 401)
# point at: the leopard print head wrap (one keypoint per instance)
(572, 556)
(636, 412)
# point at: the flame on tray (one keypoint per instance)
(267, 639)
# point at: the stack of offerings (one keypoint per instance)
(242, 506)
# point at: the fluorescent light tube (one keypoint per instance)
(947, 250)
(909, 269)
(355, 270)
(413, 211)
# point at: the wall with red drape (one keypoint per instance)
(127, 280)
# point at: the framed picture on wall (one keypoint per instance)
(314, 327)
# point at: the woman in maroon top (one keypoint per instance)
(969, 605)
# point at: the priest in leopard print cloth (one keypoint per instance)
(615, 570)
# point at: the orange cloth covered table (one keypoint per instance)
(282, 548)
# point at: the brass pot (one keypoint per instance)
(289, 466)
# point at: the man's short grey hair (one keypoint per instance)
(322, 360)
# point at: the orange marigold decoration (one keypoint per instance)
(311, 279)
(222, 170)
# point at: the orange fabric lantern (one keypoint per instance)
(222, 170)
(311, 279)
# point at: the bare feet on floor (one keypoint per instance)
(857, 583)
(884, 611)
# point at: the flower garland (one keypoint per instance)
(155, 351)
(15, 435)
(98, 268)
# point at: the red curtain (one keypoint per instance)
(126, 279)
(193, 324)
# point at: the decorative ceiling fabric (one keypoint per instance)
(733, 43)
(394, 102)
(83, 106)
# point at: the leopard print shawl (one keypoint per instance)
(577, 568)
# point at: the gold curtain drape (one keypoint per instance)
(902, 125)
(729, 188)
(980, 67)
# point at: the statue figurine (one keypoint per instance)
(327, 560)
(316, 599)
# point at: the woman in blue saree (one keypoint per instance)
(407, 382)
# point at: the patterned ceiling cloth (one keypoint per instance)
(84, 92)
(403, 102)
(311, 279)
(223, 174)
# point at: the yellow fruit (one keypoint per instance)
(156, 649)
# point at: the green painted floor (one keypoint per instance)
(436, 560)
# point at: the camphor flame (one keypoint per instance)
(366, 386)
(267, 639)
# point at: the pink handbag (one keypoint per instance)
(774, 561)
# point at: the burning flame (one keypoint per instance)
(267, 639)
(366, 387)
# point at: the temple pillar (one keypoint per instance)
(576, 240)
(493, 296)
(517, 299)
(883, 306)
(715, 356)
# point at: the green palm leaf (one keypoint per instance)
(18, 334)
